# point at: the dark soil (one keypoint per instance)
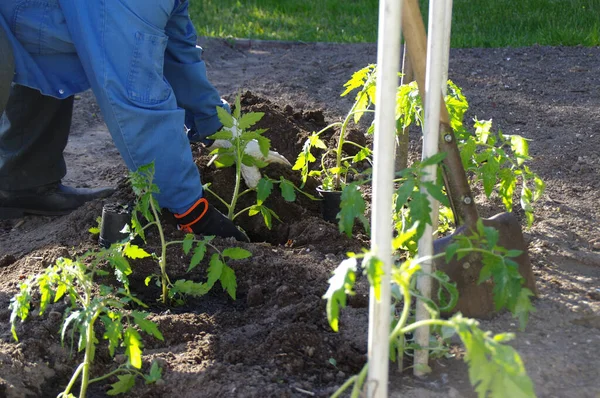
(274, 339)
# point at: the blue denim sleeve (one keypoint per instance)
(186, 72)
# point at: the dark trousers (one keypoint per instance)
(34, 129)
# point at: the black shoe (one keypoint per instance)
(48, 200)
(203, 219)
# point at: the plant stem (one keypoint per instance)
(213, 193)
(344, 386)
(89, 353)
(241, 212)
(360, 379)
(74, 378)
(238, 178)
(114, 372)
(338, 161)
(162, 262)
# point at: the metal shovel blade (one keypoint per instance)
(476, 300)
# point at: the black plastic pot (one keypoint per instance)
(114, 218)
(330, 205)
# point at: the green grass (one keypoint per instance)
(476, 23)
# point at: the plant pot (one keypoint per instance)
(330, 205)
(114, 218)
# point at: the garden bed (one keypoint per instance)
(274, 340)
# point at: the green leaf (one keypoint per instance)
(287, 190)
(540, 187)
(520, 147)
(404, 237)
(363, 154)
(237, 108)
(467, 152)
(404, 192)
(94, 230)
(198, 256)
(420, 210)
(134, 252)
(125, 383)
(447, 292)
(228, 281)
(46, 292)
(375, 273)
(316, 142)
(513, 253)
(122, 267)
(352, 207)
(436, 191)
(221, 135)
(215, 268)
(268, 214)
(434, 159)
(495, 369)
(491, 235)
(361, 105)
(340, 284)
(523, 307)
(254, 210)
(61, 289)
(249, 119)
(190, 288)
(358, 79)
(225, 160)
(264, 144)
(75, 317)
(451, 250)
(263, 190)
(236, 253)
(482, 130)
(113, 330)
(146, 325)
(154, 375)
(490, 174)
(137, 226)
(188, 241)
(133, 347)
(508, 182)
(224, 117)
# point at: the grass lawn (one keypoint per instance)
(476, 23)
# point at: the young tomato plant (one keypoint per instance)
(495, 160)
(334, 178)
(147, 209)
(73, 281)
(248, 150)
(495, 369)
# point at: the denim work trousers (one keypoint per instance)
(141, 61)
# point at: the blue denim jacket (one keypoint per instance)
(141, 60)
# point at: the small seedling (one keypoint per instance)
(334, 178)
(245, 150)
(147, 209)
(73, 282)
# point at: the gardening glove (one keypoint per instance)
(203, 219)
(251, 174)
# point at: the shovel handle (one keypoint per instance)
(416, 45)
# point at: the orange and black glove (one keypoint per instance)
(203, 219)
